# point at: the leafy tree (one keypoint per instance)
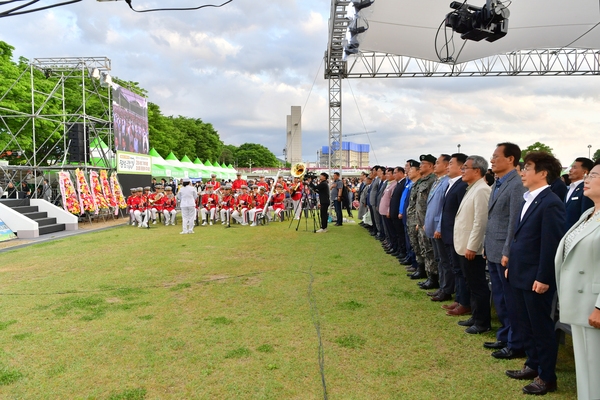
(537, 146)
(596, 155)
(228, 154)
(258, 154)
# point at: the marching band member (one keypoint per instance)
(169, 203)
(244, 203)
(213, 181)
(155, 202)
(208, 202)
(139, 208)
(130, 206)
(281, 182)
(263, 183)
(187, 196)
(260, 202)
(296, 194)
(237, 184)
(227, 205)
(278, 202)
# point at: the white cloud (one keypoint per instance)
(241, 67)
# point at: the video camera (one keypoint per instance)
(310, 175)
(489, 22)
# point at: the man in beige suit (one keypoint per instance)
(578, 283)
(469, 232)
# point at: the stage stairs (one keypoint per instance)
(34, 217)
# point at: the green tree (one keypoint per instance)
(228, 154)
(258, 154)
(596, 155)
(537, 146)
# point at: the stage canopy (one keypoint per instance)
(409, 27)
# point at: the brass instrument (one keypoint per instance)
(298, 170)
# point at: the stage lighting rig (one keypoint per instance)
(489, 22)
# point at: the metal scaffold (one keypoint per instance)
(61, 92)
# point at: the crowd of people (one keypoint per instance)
(453, 222)
(214, 201)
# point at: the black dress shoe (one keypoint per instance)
(411, 271)
(467, 322)
(508, 354)
(442, 297)
(476, 330)
(430, 284)
(495, 345)
(525, 373)
(436, 293)
(539, 387)
(406, 261)
(423, 283)
(418, 275)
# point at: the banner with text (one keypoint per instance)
(5, 232)
(132, 163)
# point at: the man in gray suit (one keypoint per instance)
(503, 210)
(435, 202)
(375, 174)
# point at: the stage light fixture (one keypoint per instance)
(95, 72)
(489, 22)
(360, 4)
(105, 80)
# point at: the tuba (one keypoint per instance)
(298, 170)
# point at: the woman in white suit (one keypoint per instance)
(578, 281)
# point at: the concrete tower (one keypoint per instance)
(293, 144)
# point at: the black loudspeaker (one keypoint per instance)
(79, 144)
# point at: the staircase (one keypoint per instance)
(46, 224)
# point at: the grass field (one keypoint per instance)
(239, 313)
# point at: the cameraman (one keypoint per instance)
(322, 189)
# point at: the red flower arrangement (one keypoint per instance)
(86, 200)
(101, 201)
(69, 196)
(108, 193)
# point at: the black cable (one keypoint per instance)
(314, 314)
(177, 9)
(12, 12)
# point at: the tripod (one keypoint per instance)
(306, 210)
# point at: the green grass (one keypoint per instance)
(225, 314)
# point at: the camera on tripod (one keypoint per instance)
(310, 175)
(489, 22)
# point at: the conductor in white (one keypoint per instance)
(186, 197)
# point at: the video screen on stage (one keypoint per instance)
(130, 117)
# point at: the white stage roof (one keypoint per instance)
(409, 27)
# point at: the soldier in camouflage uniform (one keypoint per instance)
(424, 247)
(411, 216)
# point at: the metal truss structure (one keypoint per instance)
(75, 90)
(335, 71)
(546, 62)
(540, 62)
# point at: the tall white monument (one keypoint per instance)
(293, 146)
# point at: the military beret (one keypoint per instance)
(428, 158)
(414, 163)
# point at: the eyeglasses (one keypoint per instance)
(463, 168)
(591, 176)
(527, 168)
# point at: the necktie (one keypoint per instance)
(498, 184)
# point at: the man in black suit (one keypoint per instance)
(322, 188)
(575, 202)
(454, 195)
(400, 246)
(539, 229)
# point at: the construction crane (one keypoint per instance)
(358, 133)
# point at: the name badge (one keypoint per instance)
(574, 198)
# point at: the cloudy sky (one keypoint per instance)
(241, 67)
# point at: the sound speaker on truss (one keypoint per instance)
(79, 144)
